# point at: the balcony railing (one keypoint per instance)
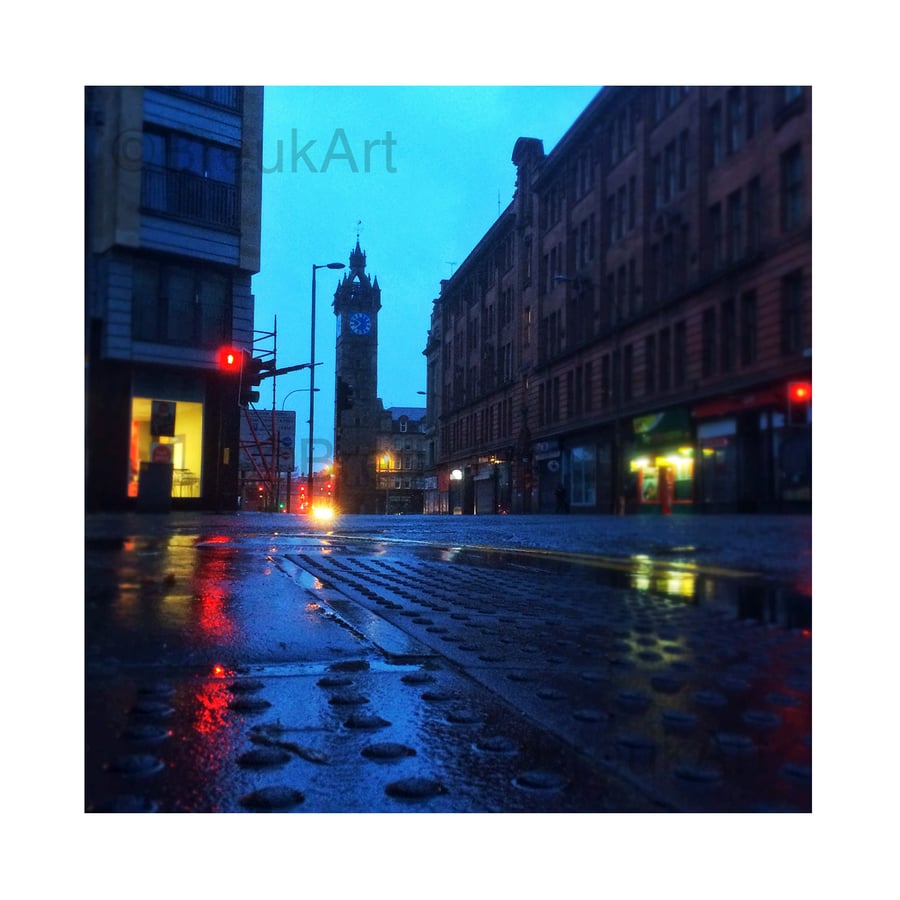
(190, 197)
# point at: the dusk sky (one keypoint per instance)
(430, 188)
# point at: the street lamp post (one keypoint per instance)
(312, 374)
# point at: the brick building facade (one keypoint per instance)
(624, 337)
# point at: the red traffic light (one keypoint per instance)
(800, 392)
(230, 359)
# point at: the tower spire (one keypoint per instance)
(357, 261)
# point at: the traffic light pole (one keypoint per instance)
(312, 385)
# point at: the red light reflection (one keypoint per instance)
(211, 585)
(213, 699)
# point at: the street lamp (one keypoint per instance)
(312, 373)
(295, 391)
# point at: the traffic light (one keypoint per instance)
(799, 400)
(255, 370)
(230, 360)
(251, 378)
(344, 395)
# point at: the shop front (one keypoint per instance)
(166, 433)
(660, 464)
(180, 451)
(752, 456)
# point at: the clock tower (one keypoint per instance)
(357, 301)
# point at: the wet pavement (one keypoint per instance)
(533, 664)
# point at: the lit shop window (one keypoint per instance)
(167, 431)
(583, 476)
(670, 477)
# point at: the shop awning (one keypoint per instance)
(723, 406)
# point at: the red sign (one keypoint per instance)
(161, 453)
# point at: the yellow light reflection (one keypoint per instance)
(645, 576)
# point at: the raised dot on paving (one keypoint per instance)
(497, 744)
(415, 788)
(273, 798)
(264, 757)
(387, 750)
(246, 686)
(136, 765)
(540, 780)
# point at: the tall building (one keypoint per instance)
(634, 332)
(172, 238)
(400, 460)
(358, 409)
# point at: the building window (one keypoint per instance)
(657, 182)
(735, 134)
(180, 305)
(792, 313)
(754, 216)
(628, 373)
(665, 360)
(728, 337)
(550, 404)
(683, 151)
(177, 425)
(715, 135)
(621, 310)
(682, 253)
(605, 384)
(583, 472)
(190, 179)
(716, 236)
(506, 307)
(670, 171)
(506, 353)
(680, 354)
(588, 386)
(227, 96)
(632, 288)
(748, 328)
(792, 188)
(650, 364)
(752, 96)
(735, 226)
(616, 385)
(583, 175)
(668, 264)
(653, 282)
(708, 362)
(632, 202)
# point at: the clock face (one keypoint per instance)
(360, 323)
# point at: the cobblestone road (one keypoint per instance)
(381, 676)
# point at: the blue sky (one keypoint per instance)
(441, 165)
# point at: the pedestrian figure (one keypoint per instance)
(562, 505)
